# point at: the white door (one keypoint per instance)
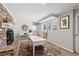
(77, 33)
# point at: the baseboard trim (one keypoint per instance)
(61, 46)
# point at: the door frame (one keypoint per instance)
(74, 37)
(75, 14)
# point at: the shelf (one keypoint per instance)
(7, 25)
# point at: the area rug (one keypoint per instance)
(50, 51)
(26, 50)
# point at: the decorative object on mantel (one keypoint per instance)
(5, 16)
(64, 22)
(5, 20)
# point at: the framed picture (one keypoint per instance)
(54, 24)
(64, 22)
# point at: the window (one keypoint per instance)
(54, 24)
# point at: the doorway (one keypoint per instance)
(76, 33)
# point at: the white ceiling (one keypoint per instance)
(35, 11)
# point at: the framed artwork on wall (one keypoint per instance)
(54, 24)
(64, 22)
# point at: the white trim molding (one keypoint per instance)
(60, 46)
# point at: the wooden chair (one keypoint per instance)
(45, 34)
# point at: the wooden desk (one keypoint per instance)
(36, 40)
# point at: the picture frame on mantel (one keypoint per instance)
(64, 22)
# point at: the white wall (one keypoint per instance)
(38, 29)
(19, 23)
(63, 37)
(76, 30)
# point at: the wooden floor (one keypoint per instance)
(62, 52)
(52, 50)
